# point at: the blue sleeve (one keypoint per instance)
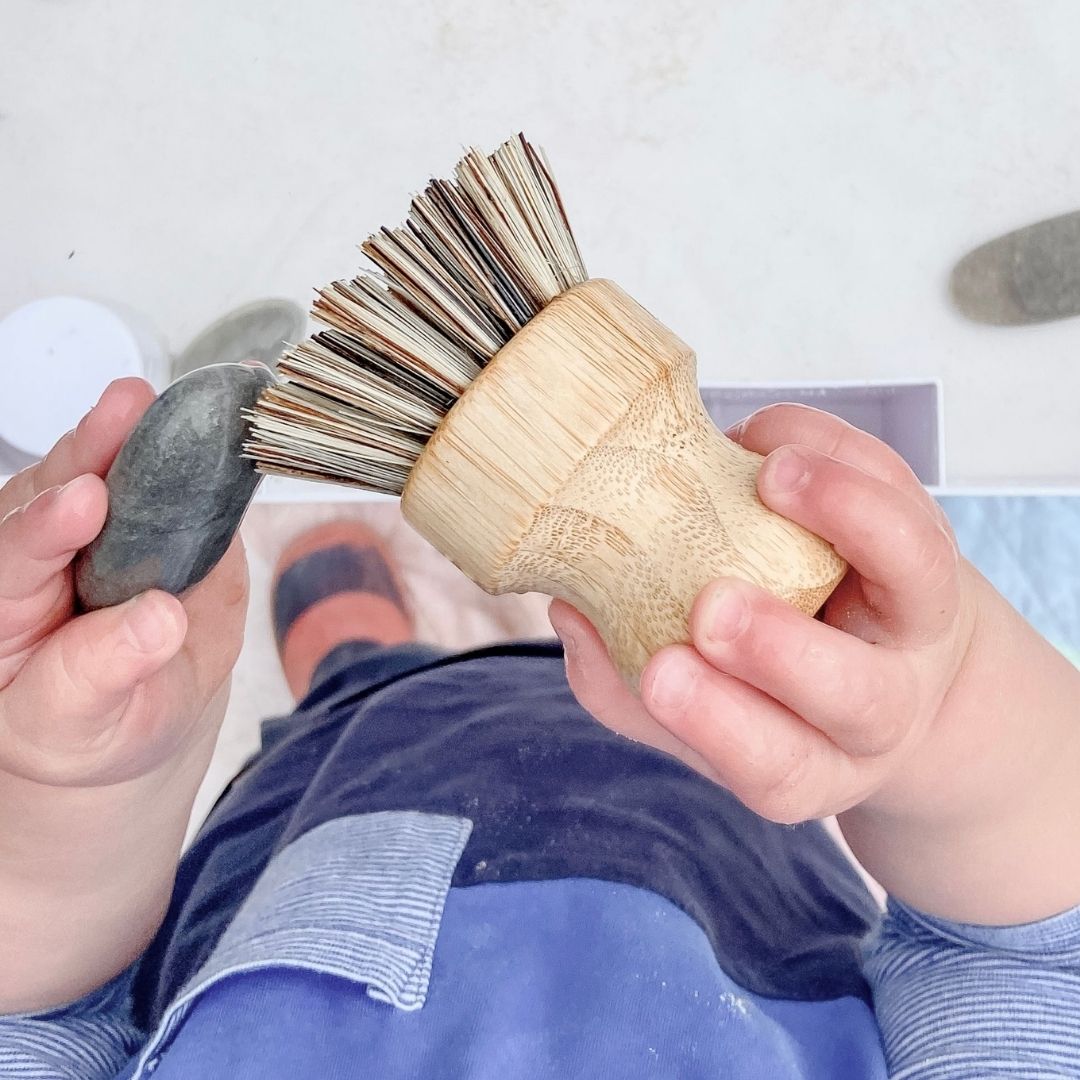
(958, 1001)
(91, 1039)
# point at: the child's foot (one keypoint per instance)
(334, 583)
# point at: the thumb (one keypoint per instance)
(60, 710)
(601, 691)
(592, 676)
(582, 647)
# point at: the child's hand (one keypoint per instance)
(921, 704)
(107, 724)
(802, 718)
(107, 696)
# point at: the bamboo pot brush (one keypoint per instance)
(544, 431)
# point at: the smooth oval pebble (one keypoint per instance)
(178, 489)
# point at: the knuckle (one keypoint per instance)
(879, 712)
(71, 663)
(10, 519)
(940, 558)
(54, 749)
(875, 728)
(937, 511)
(839, 440)
(53, 461)
(84, 671)
(807, 654)
(783, 795)
(64, 763)
(777, 408)
(780, 420)
(50, 769)
(813, 657)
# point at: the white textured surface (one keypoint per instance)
(785, 182)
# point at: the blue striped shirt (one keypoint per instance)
(355, 932)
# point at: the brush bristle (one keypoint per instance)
(478, 257)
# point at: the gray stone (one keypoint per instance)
(257, 331)
(178, 489)
(1031, 275)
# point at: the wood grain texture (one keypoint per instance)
(581, 463)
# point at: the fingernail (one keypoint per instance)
(788, 470)
(673, 683)
(147, 623)
(569, 642)
(735, 432)
(563, 627)
(726, 614)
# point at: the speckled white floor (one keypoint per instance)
(785, 184)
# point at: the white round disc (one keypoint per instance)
(56, 357)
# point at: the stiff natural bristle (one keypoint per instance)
(478, 257)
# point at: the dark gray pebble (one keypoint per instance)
(1031, 275)
(178, 489)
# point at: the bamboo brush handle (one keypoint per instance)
(581, 463)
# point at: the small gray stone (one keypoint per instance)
(257, 331)
(1028, 276)
(178, 489)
